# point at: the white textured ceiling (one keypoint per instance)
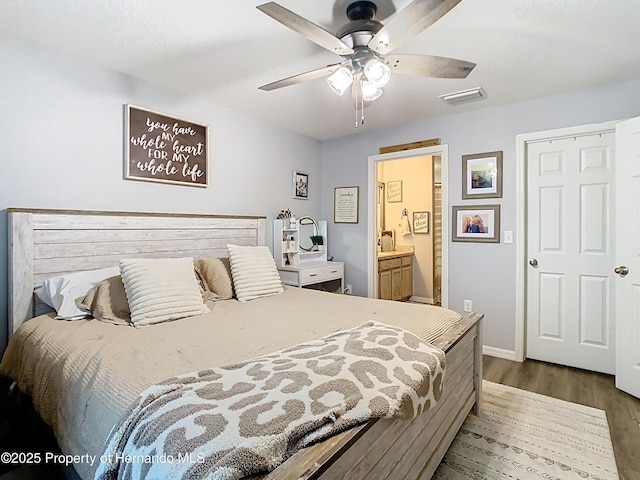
(222, 50)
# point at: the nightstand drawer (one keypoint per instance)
(321, 273)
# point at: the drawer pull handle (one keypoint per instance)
(313, 275)
(334, 271)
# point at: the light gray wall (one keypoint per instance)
(61, 125)
(62, 147)
(483, 273)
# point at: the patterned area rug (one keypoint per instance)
(524, 435)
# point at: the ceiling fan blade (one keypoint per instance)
(302, 77)
(409, 22)
(429, 66)
(305, 28)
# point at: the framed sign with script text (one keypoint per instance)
(346, 204)
(421, 222)
(394, 191)
(162, 148)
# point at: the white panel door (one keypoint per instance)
(628, 256)
(570, 249)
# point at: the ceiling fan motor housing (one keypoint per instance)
(361, 10)
(358, 33)
(362, 26)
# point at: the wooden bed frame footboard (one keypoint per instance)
(402, 449)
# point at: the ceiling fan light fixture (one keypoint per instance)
(370, 92)
(377, 72)
(341, 80)
(365, 45)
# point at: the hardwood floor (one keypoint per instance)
(584, 387)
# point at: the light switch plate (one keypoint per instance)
(508, 236)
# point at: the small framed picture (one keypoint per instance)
(394, 191)
(482, 175)
(421, 222)
(300, 185)
(477, 223)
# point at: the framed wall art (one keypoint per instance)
(163, 148)
(300, 185)
(476, 223)
(394, 191)
(482, 175)
(346, 202)
(421, 222)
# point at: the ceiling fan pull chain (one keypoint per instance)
(356, 102)
(362, 108)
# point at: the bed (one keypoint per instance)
(44, 243)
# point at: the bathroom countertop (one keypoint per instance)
(400, 251)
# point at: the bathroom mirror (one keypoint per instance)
(308, 227)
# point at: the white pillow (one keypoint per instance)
(254, 272)
(60, 292)
(161, 289)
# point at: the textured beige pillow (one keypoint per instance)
(159, 290)
(107, 302)
(215, 274)
(254, 272)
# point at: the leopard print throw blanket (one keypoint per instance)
(234, 421)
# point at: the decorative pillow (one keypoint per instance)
(215, 274)
(107, 302)
(60, 292)
(159, 290)
(254, 272)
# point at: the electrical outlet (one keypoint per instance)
(347, 290)
(468, 306)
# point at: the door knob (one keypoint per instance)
(622, 270)
(533, 262)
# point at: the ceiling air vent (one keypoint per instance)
(464, 96)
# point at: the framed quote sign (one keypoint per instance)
(162, 148)
(421, 222)
(345, 204)
(394, 191)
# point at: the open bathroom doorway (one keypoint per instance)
(408, 204)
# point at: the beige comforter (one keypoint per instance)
(248, 418)
(83, 375)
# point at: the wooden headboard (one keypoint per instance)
(45, 243)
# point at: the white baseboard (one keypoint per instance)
(499, 352)
(421, 300)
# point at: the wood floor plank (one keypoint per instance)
(584, 387)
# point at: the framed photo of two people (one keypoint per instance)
(476, 223)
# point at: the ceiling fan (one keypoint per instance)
(365, 45)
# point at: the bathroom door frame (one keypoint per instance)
(372, 260)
